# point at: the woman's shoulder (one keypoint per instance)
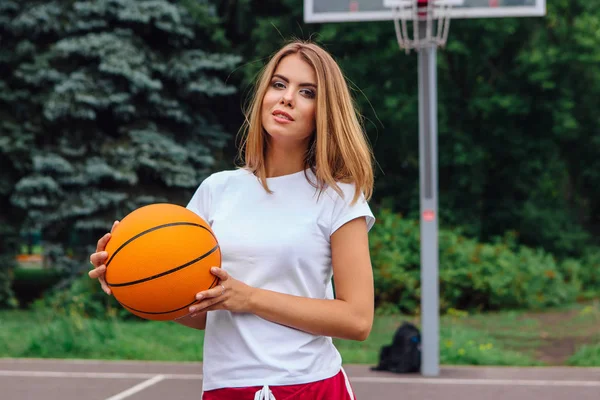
(347, 203)
(346, 192)
(219, 179)
(228, 174)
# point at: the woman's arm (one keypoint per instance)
(349, 316)
(197, 322)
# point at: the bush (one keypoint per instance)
(590, 271)
(473, 275)
(84, 297)
(8, 251)
(7, 295)
(30, 284)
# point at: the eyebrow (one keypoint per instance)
(283, 78)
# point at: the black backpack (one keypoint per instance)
(404, 354)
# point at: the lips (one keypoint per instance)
(282, 114)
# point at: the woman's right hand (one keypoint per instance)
(99, 258)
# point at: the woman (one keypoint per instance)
(294, 216)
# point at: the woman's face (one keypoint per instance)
(289, 106)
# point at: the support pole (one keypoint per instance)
(429, 207)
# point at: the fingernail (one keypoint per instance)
(103, 254)
(198, 296)
(214, 269)
(192, 309)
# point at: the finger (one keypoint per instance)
(101, 245)
(221, 305)
(97, 259)
(217, 291)
(96, 273)
(186, 316)
(105, 288)
(204, 311)
(103, 284)
(220, 273)
(205, 305)
(114, 226)
(197, 312)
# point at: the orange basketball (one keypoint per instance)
(159, 257)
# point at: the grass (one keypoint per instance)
(52, 335)
(586, 356)
(459, 345)
(566, 335)
(27, 334)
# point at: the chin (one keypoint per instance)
(277, 131)
(284, 133)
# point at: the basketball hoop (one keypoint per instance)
(430, 22)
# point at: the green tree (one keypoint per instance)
(106, 105)
(518, 132)
(520, 128)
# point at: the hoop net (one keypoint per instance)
(433, 15)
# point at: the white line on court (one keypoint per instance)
(84, 361)
(96, 375)
(459, 381)
(363, 379)
(137, 388)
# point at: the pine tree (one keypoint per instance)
(106, 105)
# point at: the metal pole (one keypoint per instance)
(429, 207)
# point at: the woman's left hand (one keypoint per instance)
(229, 294)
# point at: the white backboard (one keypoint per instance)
(374, 10)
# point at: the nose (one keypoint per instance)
(287, 99)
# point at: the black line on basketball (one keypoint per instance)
(154, 229)
(167, 312)
(159, 312)
(187, 264)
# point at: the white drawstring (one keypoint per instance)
(264, 394)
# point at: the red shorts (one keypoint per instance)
(335, 388)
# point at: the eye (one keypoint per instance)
(308, 93)
(278, 85)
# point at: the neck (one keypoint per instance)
(284, 160)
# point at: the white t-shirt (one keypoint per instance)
(278, 242)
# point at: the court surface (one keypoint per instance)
(28, 379)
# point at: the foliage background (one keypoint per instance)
(112, 104)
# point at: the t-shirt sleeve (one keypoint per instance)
(201, 200)
(344, 211)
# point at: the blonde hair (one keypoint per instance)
(338, 150)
